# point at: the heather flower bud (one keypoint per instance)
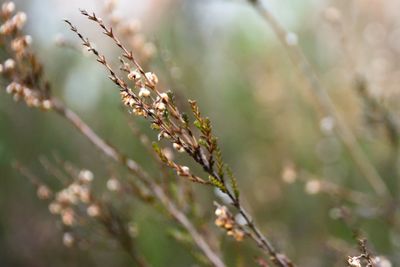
(178, 147)
(153, 79)
(20, 19)
(144, 92)
(85, 176)
(68, 240)
(185, 170)
(133, 75)
(46, 104)
(8, 8)
(160, 106)
(164, 97)
(113, 184)
(9, 64)
(93, 210)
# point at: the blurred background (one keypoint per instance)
(272, 133)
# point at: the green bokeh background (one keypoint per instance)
(261, 110)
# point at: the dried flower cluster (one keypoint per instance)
(226, 221)
(140, 93)
(365, 259)
(31, 97)
(76, 194)
(21, 70)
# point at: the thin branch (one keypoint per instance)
(277, 258)
(133, 167)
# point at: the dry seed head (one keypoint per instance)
(68, 240)
(144, 92)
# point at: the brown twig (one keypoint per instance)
(133, 167)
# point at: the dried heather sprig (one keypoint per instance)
(166, 118)
(227, 221)
(21, 70)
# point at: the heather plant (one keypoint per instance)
(187, 154)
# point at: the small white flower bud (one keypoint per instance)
(160, 106)
(46, 104)
(93, 210)
(153, 79)
(164, 97)
(20, 19)
(133, 75)
(68, 240)
(178, 147)
(113, 184)
(85, 176)
(9, 64)
(185, 170)
(144, 92)
(55, 208)
(8, 7)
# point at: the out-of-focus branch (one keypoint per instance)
(326, 104)
(133, 167)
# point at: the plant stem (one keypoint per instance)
(134, 168)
